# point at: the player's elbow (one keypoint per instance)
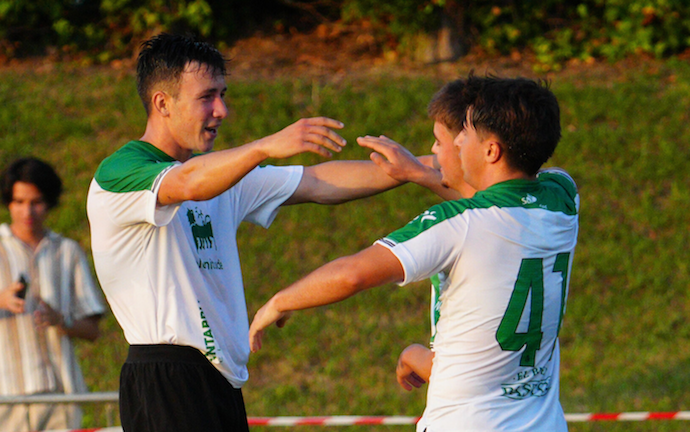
(352, 279)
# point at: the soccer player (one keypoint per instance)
(507, 253)
(164, 211)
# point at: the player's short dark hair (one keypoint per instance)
(522, 113)
(33, 171)
(163, 59)
(449, 105)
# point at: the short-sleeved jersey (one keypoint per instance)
(507, 253)
(172, 273)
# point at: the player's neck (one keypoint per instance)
(502, 174)
(158, 136)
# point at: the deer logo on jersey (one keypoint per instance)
(202, 230)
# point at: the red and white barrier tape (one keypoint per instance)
(628, 416)
(332, 421)
(403, 420)
(400, 420)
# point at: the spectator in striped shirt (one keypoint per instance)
(47, 298)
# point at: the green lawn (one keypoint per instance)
(625, 340)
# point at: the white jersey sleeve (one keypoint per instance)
(261, 192)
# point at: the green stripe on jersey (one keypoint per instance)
(132, 168)
(548, 192)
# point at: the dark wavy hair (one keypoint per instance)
(163, 58)
(449, 105)
(522, 113)
(36, 172)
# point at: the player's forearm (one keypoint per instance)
(431, 179)
(340, 279)
(429, 176)
(341, 181)
(328, 284)
(331, 283)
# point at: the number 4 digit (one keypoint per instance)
(530, 278)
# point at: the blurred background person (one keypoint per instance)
(47, 297)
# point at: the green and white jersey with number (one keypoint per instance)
(507, 253)
(172, 274)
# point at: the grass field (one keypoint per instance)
(626, 337)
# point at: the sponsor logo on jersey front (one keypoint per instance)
(204, 239)
(202, 229)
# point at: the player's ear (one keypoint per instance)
(493, 150)
(160, 103)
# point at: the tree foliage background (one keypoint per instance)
(554, 30)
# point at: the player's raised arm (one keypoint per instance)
(204, 177)
(331, 283)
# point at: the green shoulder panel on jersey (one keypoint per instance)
(434, 216)
(132, 168)
(561, 178)
(543, 194)
(552, 192)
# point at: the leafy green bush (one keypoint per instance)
(555, 31)
(106, 29)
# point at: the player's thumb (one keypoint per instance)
(283, 319)
(377, 158)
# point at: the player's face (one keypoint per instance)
(198, 110)
(447, 156)
(472, 149)
(28, 209)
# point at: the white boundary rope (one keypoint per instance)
(406, 420)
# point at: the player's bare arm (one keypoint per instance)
(204, 177)
(328, 284)
(336, 182)
(402, 165)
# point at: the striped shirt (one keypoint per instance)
(33, 361)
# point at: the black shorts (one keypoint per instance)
(171, 388)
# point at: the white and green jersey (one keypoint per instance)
(172, 274)
(507, 253)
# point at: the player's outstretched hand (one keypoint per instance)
(264, 317)
(394, 159)
(315, 135)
